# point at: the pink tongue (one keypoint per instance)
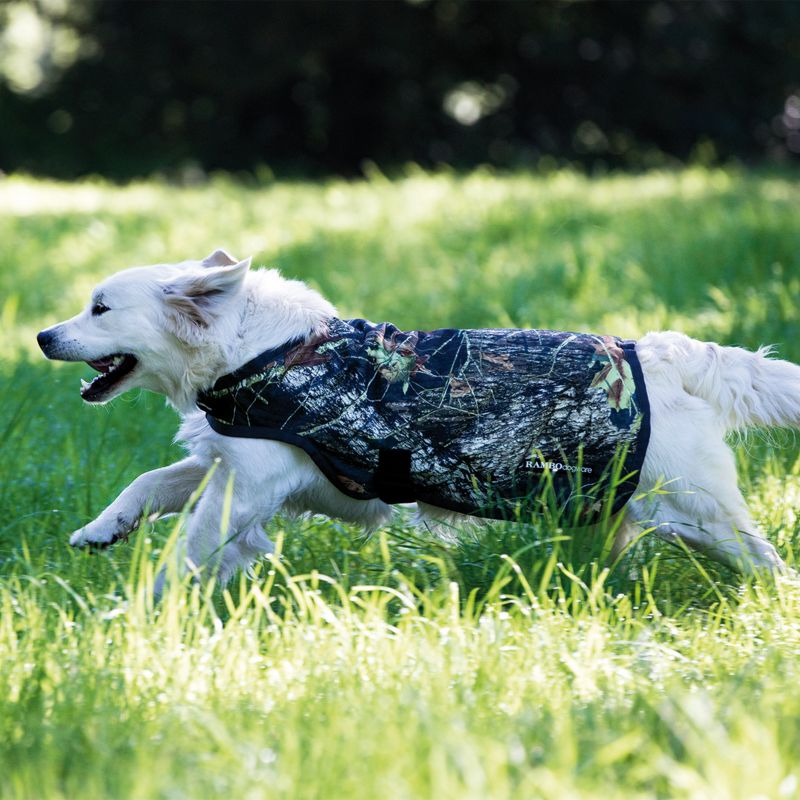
(101, 366)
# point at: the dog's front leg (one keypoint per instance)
(217, 545)
(223, 537)
(163, 491)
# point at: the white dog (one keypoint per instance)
(176, 329)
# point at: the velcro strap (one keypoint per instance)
(393, 477)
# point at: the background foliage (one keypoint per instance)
(126, 88)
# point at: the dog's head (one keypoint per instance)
(141, 325)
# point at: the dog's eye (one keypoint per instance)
(98, 309)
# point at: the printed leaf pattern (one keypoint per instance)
(501, 361)
(307, 354)
(615, 375)
(395, 357)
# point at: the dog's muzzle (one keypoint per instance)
(45, 340)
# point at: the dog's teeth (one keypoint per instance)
(117, 361)
(84, 384)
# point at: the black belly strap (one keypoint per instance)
(393, 477)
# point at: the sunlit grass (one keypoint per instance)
(714, 253)
(515, 664)
(276, 688)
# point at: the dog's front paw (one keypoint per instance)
(94, 538)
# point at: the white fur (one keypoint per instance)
(190, 323)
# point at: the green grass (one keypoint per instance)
(515, 664)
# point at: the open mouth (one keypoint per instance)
(112, 370)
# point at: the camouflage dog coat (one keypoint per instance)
(474, 421)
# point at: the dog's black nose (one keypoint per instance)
(44, 338)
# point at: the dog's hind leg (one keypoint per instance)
(626, 535)
(689, 489)
(694, 497)
(731, 539)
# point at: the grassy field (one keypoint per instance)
(513, 665)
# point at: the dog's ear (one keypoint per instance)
(219, 258)
(195, 298)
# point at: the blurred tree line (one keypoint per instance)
(126, 88)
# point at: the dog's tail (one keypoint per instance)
(748, 389)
